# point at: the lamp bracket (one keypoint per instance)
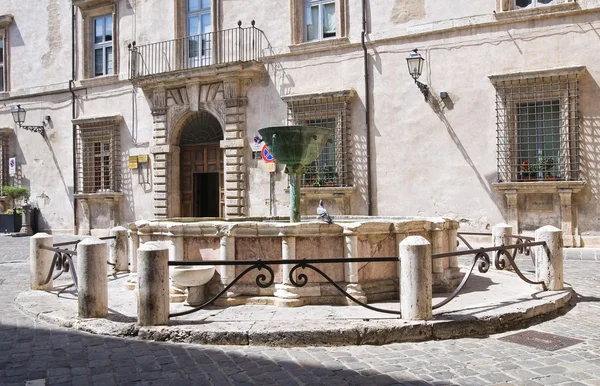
(36, 129)
(423, 88)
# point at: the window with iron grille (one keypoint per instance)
(333, 166)
(538, 126)
(97, 157)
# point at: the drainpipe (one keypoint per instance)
(73, 128)
(367, 104)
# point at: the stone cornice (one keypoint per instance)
(6, 20)
(86, 4)
(350, 93)
(96, 120)
(5, 131)
(570, 70)
(539, 186)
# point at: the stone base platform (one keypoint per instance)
(490, 303)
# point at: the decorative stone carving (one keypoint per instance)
(159, 102)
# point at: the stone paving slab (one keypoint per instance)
(490, 302)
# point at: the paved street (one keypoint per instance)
(37, 353)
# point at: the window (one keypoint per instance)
(198, 21)
(5, 22)
(532, 3)
(319, 19)
(332, 167)
(538, 126)
(2, 76)
(99, 26)
(103, 45)
(97, 155)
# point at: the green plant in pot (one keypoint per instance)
(15, 193)
(547, 166)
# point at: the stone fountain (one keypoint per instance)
(296, 147)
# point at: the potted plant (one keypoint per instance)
(11, 220)
(547, 167)
(528, 172)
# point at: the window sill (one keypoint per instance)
(537, 11)
(539, 186)
(99, 196)
(84, 4)
(104, 80)
(317, 45)
(326, 191)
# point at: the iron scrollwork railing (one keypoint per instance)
(63, 262)
(218, 47)
(502, 254)
(300, 281)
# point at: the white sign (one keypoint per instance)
(12, 166)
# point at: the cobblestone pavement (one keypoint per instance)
(36, 353)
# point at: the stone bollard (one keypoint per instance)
(415, 278)
(153, 284)
(499, 238)
(119, 249)
(40, 261)
(92, 291)
(549, 258)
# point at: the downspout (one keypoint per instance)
(73, 128)
(367, 105)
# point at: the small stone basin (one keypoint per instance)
(191, 276)
(295, 145)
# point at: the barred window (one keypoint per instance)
(332, 110)
(538, 126)
(97, 150)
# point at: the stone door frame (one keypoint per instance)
(171, 105)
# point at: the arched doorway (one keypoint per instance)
(201, 166)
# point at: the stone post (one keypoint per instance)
(286, 290)
(40, 261)
(499, 238)
(134, 243)
(153, 284)
(549, 258)
(351, 270)
(415, 278)
(118, 249)
(227, 253)
(92, 291)
(26, 220)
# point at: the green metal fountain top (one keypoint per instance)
(295, 146)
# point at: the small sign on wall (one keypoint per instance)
(12, 166)
(271, 167)
(142, 158)
(133, 162)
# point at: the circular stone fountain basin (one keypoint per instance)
(191, 276)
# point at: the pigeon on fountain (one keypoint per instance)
(322, 212)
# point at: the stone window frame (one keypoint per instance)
(180, 26)
(90, 10)
(297, 23)
(508, 8)
(5, 22)
(524, 87)
(88, 132)
(303, 109)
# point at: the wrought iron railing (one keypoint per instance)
(503, 253)
(302, 279)
(219, 47)
(63, 261)
(504, 257)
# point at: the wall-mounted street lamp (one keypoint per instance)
(19, 113)
(415, 68)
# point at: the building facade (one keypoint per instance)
(152, 109)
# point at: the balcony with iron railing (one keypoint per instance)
(224, 48)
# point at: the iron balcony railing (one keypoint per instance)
(219, 47)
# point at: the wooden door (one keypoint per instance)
(199, 159)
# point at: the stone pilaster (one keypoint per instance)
(160, 152)
(288, 252)
(234, 94)
(566, 217)
(512, 215)
(351, 270)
